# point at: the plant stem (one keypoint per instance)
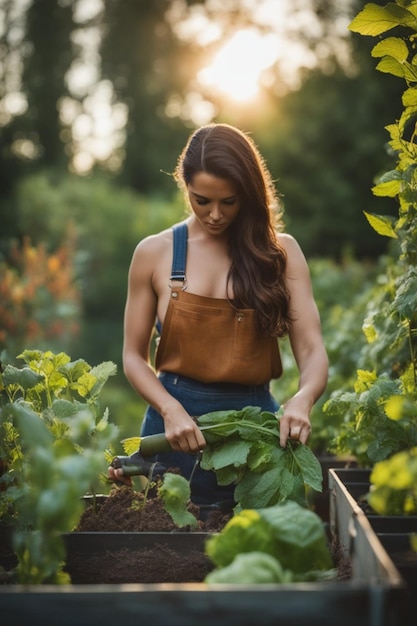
(245, 423)
(413, 356)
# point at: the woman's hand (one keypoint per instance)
(117, 475)
(294, 423)
(181, 431)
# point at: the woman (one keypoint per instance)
(222, 294)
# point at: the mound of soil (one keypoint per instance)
(126, 510)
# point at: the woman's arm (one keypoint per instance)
(139, 321)
(306, 343)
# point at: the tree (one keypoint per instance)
(140, 58)
(47, 57)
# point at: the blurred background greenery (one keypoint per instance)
(97, 98)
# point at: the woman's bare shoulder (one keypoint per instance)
(288, 243)
(296, 260)
(154, 244)
(151, 253)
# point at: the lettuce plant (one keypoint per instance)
(281, 543)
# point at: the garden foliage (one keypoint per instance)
(379, 414)
(281, 543)
(394, 484)
(40, 302)
(53, 432)
(243, 448)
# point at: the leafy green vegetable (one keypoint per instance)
(251, 568)
(243, 448)
(288, 532)
(175, 492)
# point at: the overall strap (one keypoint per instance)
(179, 257)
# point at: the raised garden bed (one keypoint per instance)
(119, 543)
(352, 520)
(371, 596)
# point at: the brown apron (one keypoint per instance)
(208, 340)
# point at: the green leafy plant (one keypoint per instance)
(52, 437)
(394, 485)
(342, 293)
(243, 448)
(174, 489)
(290, 545)
(175, 492)
(379, 415)
(251, 568)
(393, 489)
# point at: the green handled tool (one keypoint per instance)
(137, 464)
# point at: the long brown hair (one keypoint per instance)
(258, 262)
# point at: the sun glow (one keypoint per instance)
(236, 69)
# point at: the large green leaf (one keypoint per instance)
(251, 568)
(405, 302)
(389, 65)
(382, 224)
(31, 426)
(64, 408)
(104, 370)
(410, 97)
(257, 490)
(392, 47)
(175, 492)
(310, 468)
(388, 189)
(290, 533)
(374, 20)
(227, 475)
(75, 369)
(25, 377)
(231, 452)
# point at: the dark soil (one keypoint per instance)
(160, 564)
(126, 510)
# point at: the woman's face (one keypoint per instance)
(214, 201)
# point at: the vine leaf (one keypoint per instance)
(382, 224)
(374, 20)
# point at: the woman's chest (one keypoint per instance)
(206, 270)
(206, 275)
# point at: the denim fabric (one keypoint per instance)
(199, 398)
